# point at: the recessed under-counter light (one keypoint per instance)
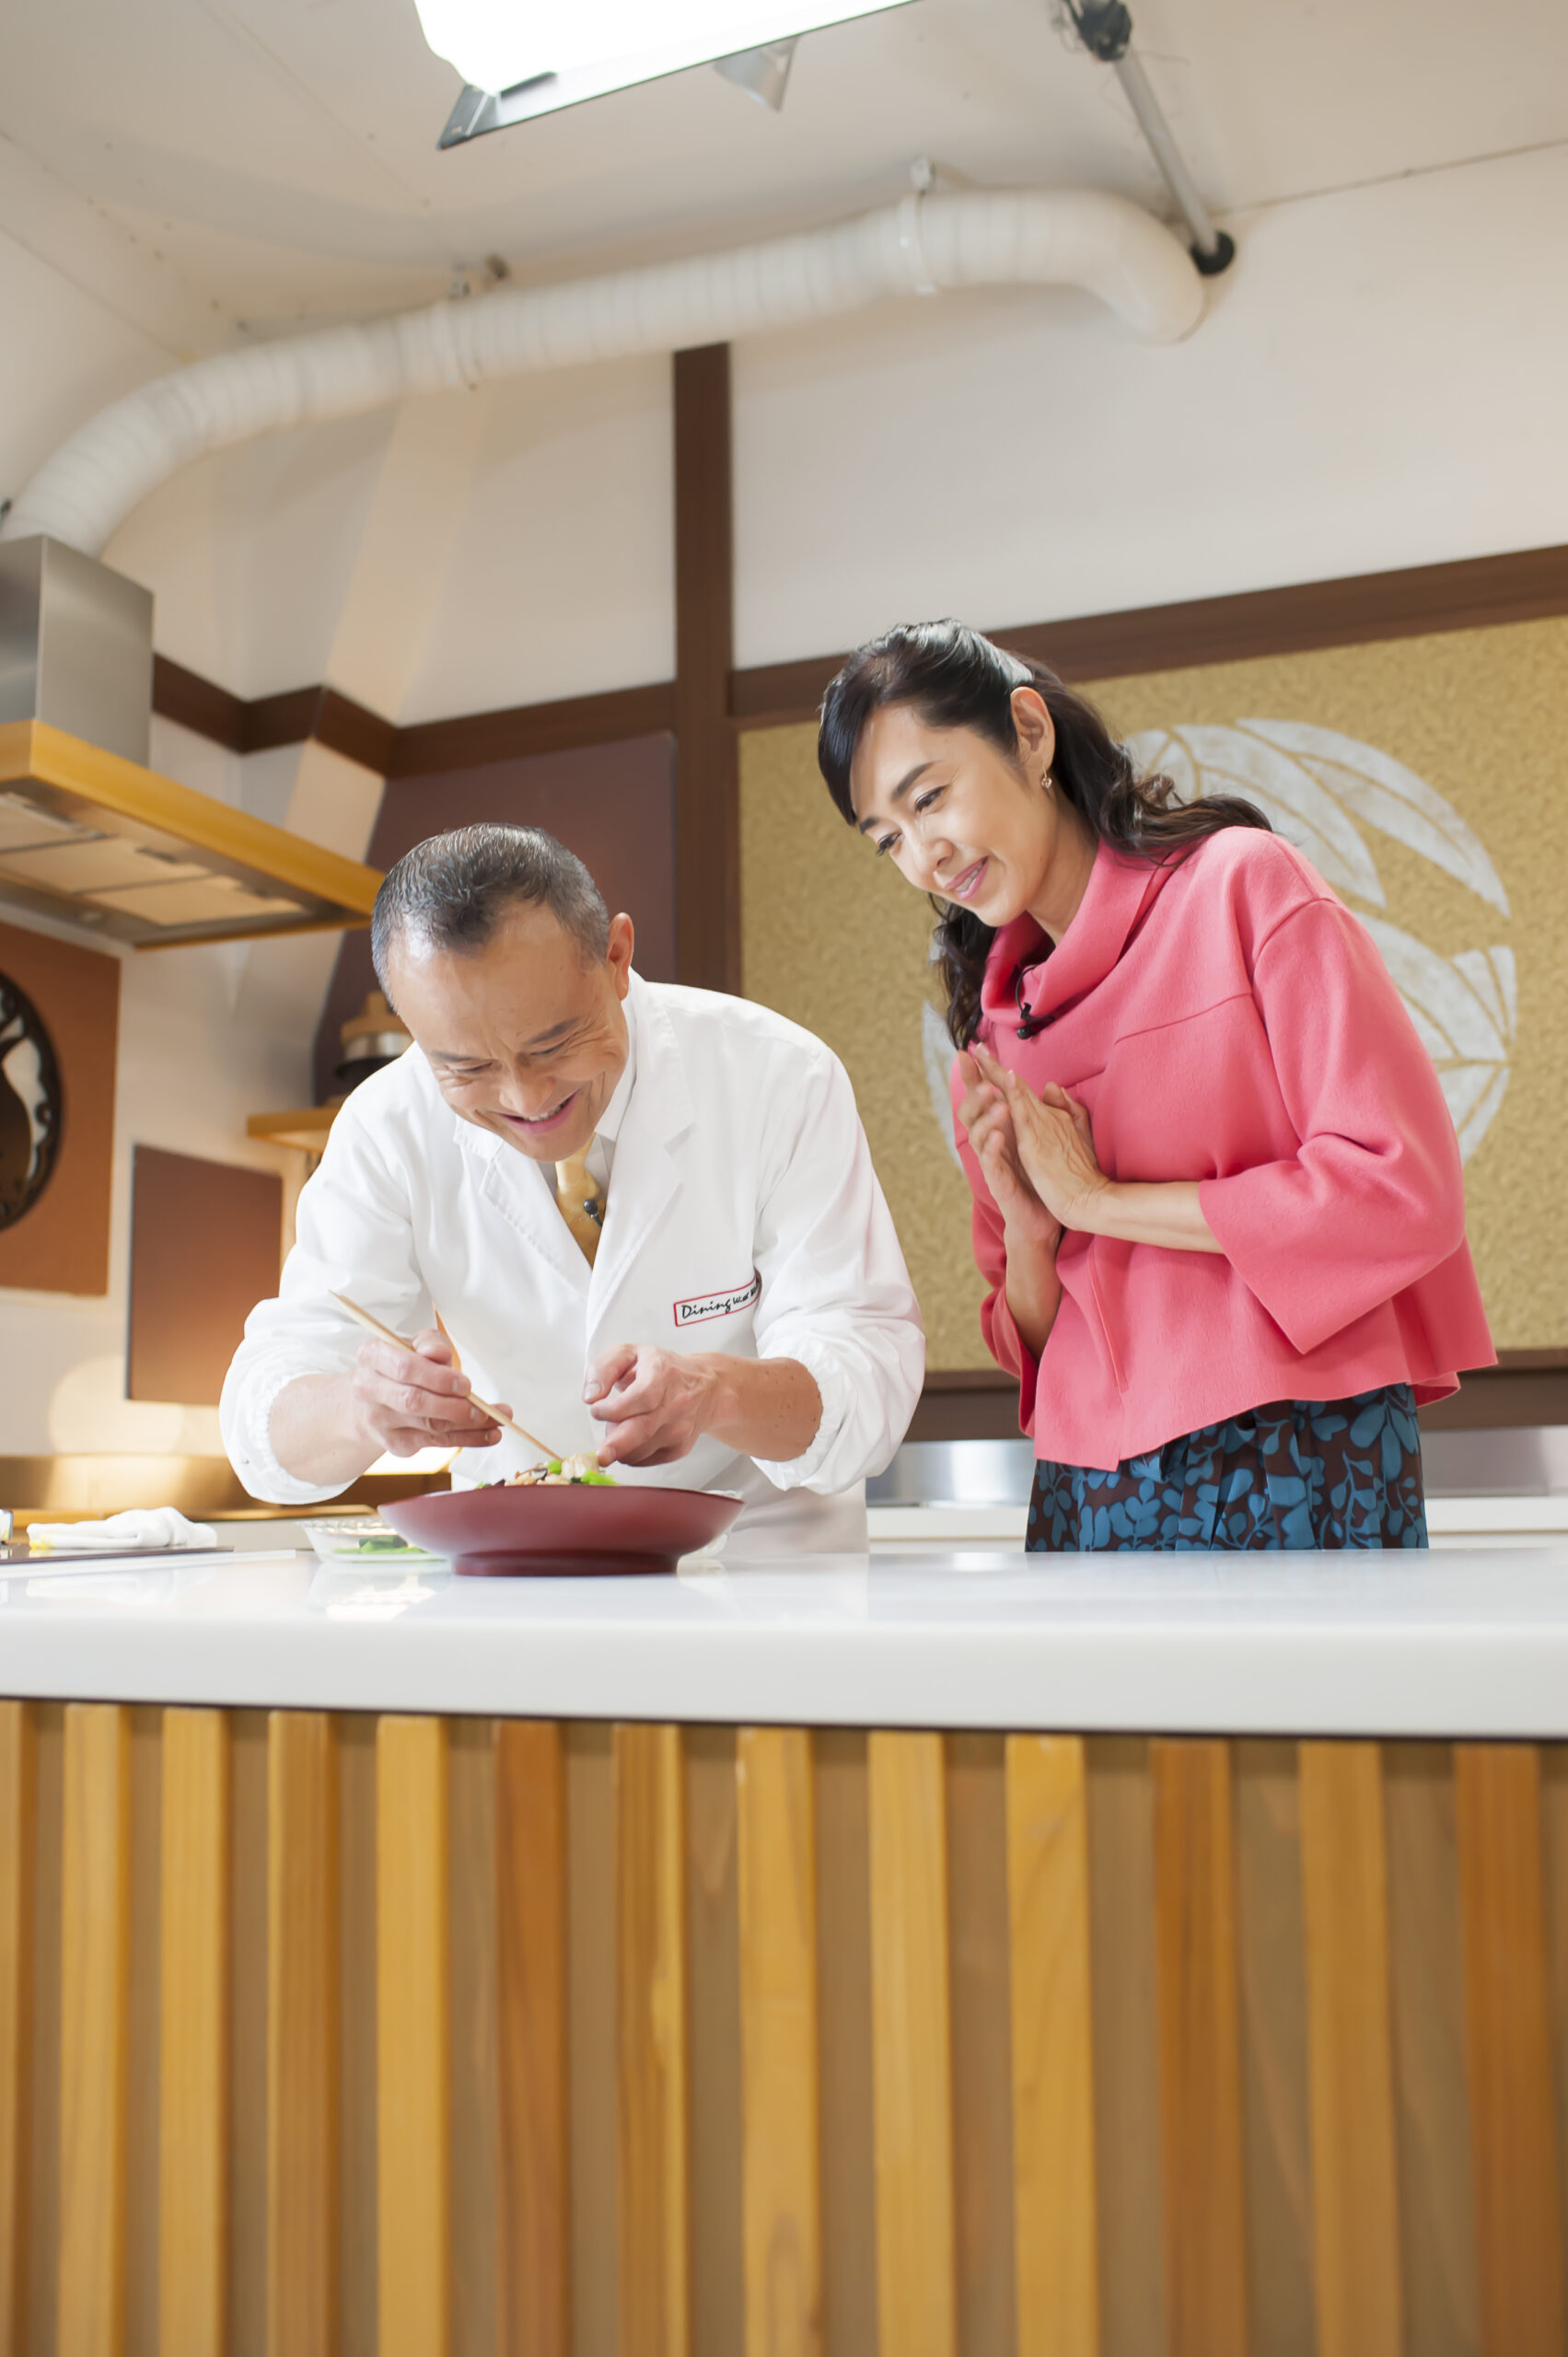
(108, 843)
(23, 826)
(520, 59)
(94, 863)
(199, 899)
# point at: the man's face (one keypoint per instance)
(524, 1038)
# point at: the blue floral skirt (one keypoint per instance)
(1299, 1473)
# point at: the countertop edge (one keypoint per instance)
(1394, 1680)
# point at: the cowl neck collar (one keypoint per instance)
(1120, 892)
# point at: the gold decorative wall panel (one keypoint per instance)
(1422, 774)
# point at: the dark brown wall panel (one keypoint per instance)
(200, 704)
(205, 1243)
(1520, 585)
(521, 731)
(1525, 1387)
(61, 1245)
(613, 805)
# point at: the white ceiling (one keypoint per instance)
(268, 161)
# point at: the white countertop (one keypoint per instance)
(1469, 1641)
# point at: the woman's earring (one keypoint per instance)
(1047, 781)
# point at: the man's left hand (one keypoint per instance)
(656, 1404)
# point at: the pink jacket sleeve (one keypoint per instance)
(1001, 1335)
(1373, 1199)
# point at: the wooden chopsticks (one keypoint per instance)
(374, 1326)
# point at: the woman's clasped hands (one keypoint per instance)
(1036, 1153)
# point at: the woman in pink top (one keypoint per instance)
(1217, 1195)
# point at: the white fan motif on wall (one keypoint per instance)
(1313, 784)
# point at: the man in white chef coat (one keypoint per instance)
(642, 1219)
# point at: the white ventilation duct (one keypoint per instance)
(1050, 236)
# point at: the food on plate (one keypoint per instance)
(583, 1468)
(361, 1538)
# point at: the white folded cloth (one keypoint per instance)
(142, 1527)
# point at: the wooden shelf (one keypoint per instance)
(66, 1487)
(306, 1129)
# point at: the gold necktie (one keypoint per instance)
(581, 1201)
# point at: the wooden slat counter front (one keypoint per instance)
(955, 1959)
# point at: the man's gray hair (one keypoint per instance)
(451, 892)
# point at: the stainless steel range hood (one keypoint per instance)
(87, 831)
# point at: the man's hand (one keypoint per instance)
(417, 1399)
(327, 1428)
(656, 1404)
(659, 1403)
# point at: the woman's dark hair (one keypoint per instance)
(956, 678)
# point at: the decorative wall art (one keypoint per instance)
(30, 1104)
(58, 1036)
(1422, 777)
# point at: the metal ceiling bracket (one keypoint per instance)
(1105, 27)
(763, 73)
(478, 112)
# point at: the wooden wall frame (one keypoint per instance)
(469, 741)
(707, 789)
(710, 702)
(567, 727)
(1527, 585)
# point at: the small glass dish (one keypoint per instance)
(362, 1539)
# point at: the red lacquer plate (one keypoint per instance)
(576, 1532)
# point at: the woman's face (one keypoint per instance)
(957, 817)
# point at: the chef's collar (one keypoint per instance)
(1121, 891)
(601, 1148)
(614, 1113)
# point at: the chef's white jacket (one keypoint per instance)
(743, 1215)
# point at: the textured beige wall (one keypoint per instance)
(835, 938)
